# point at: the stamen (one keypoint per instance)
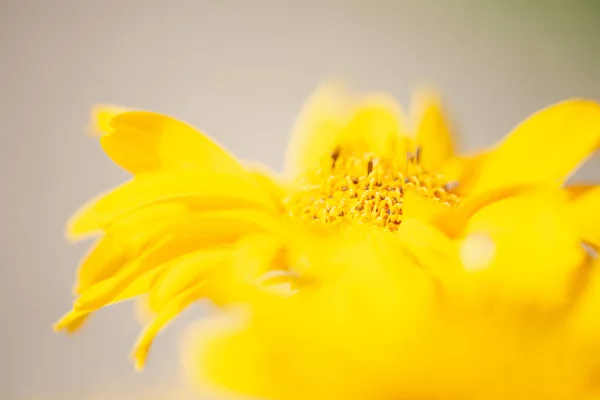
(364, 189)
(335, 154)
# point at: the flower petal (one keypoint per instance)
(317, 129)
(544, 149)
(125, 239)
(305, 346)
(102, 116)
(74, 319)
(183, 272)
(526, 246)
(165, 316)
(142, 141)
(199, 231)
(585, 210)
(335, 121)
(202, 188)
(433, 134)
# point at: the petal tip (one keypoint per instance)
(101, 117)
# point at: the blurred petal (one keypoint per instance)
(201, 188)
(203, 230)
(142, 141)
(334, 121)
(527, 247)
(102, 116)
(433, 134)
(585, 210)
(544, 149)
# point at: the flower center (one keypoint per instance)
(365, 190)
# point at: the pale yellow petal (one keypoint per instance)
(102, 116)
(434, 136)
(142, 141)
(545, 149)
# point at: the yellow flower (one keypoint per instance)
(382, 265)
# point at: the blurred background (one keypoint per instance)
(239, 70)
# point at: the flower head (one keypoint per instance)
(382, 265)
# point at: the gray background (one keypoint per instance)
(239, 70)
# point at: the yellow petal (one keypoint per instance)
(254, 256)
(416, 206)
(203, 188)
(433, 133)
(376, 127)
(166, 315)
(317, 128)
(199, 231)
(267, 180)
(524, 246)
(454, 220)
(183, 272)
(585, 210)
(74, 319)
(583, 323)
(432, 250)
(333, 120)
(544, 149)
(142, 141)
(102, 116)
(305, 346)
(125, 239)
(464, 170)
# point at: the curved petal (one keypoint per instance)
(125, 239)
(184, 272)
(317, 129)
(184, 236)
(202, 188)
(102, 116)
(334, 122)
(72, 321)
(524, 246)
(171, 310)
(464, 170)
(585, 210)
(433, 133)
(267, 179)
(142, 141)
(358, 323)
(545, 149)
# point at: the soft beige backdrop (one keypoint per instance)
(239, 70)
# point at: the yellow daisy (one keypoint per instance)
(382, 265)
